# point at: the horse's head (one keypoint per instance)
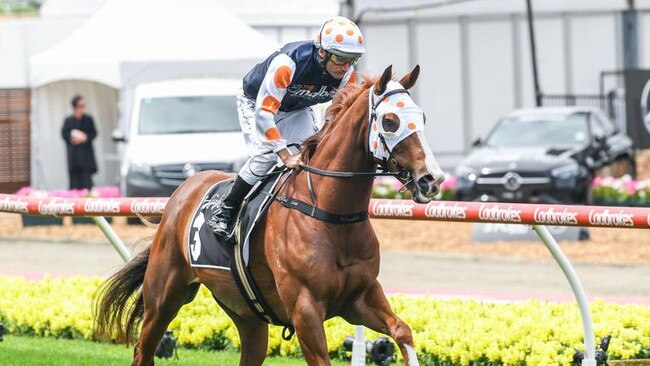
(397, 135)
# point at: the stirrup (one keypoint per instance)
(223, 222)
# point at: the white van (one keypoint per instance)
(178, 128)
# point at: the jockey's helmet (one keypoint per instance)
(341, 37)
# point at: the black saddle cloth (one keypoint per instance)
(205, 248)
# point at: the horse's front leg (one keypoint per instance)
(373, 311)
(307, 316)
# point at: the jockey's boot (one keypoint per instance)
(223, 221)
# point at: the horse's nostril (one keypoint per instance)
(428, 178)
(424, 183)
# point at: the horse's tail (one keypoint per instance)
(116, 313)
(146, 222)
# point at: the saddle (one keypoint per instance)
(210, 251)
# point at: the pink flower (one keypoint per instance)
(106, 192)
(396, 184)
(630, 186)
(24, 191)
(449, 183)
(388, 182)
(379, 181)
(62, 193)
(597, 182)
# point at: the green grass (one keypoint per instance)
(36, 351)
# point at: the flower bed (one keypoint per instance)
(623, 191)
(447, 332)
(97, 192)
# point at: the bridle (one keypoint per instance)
(384, 164)
(311, 209)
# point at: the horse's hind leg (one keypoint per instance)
(373, 311)
(165, 290)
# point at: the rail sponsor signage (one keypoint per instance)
(148, 206)
(553, 216)
(13, 204)
(102, 205)
(446, 210)
(499, 213)
(392, 208)
(56, 207)
(614, 217)
(480, 212)
(512, 213)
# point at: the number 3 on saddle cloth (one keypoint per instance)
(209, 251)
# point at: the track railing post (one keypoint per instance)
(578, 291)
(112, 237)
(358, 347)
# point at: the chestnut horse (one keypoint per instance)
(307, 270)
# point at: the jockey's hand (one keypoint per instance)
(291, 161)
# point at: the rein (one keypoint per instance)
(337, 174)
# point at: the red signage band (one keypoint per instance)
(508, 213)
(513, 213)
(54, 206)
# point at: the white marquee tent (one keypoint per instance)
(126, 43)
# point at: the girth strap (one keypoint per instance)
(252, 295)
(321, 215)
(243, 277)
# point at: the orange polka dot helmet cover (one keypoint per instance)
(341, 37)
(409, 114)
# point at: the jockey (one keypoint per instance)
(275, 105)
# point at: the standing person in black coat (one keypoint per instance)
(78, 133)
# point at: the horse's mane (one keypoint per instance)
(342, 101)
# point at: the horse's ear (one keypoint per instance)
(409, 79)
(380, 86)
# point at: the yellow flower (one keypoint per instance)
(463, 332)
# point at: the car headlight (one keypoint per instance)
(465, 177)
(566, 176)
(566, 171)
(140, 168)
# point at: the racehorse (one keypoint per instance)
(307, 270)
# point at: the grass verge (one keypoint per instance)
(37, 351)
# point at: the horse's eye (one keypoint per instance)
(424, 118)
(389, 124)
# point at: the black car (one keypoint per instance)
(543, 155)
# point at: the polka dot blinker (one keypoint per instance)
(410, 118)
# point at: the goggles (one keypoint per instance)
(340, 61)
